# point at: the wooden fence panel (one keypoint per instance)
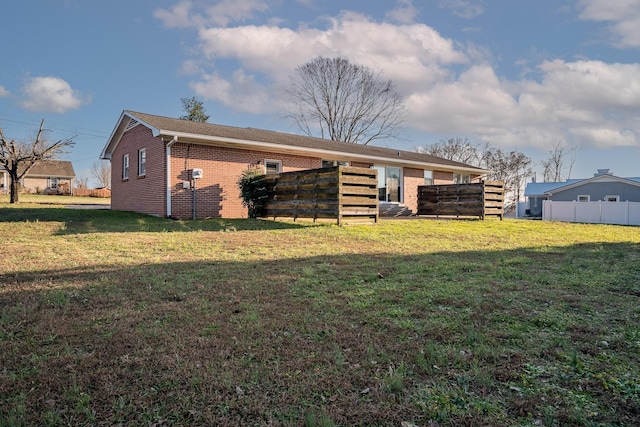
(92, 192)
(481, 199)
(346, 194)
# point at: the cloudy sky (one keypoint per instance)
(520, 74)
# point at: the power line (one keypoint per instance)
(61, 126)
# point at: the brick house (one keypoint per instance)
(152, 159)
(46, 177)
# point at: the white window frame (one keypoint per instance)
(615, 198)
(276, 162)
(53, 182)
(125, 166)
(584, 198)
(461, 178)
(428, 177)
(142, 162)
(335, 163)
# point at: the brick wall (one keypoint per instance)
(440, 177)
(145, 194)
(412, 179)
(217, 193)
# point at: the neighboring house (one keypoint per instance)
(152, 159)
(46, 177)
(603, 186)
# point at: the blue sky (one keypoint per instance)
(520, 74)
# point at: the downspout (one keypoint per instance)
(168, 168)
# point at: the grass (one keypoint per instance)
(113, 318)
(40, 199)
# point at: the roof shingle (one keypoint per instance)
(167, 125)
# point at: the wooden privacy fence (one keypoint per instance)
(92, 192)
(346, 194)
(481, 199)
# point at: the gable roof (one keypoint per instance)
(540, 188)
(547, 188)
(265, 140)
(597, 178)
(52, 169)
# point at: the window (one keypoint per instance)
(125, 166)
(273, 166)
(611, 198)
(53, 182)
(330, 163)
(428, 177)
(584, 198)
(142, 162)
(460, 178)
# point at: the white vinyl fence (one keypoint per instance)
(621, 213)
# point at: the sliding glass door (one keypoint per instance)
(389, 183)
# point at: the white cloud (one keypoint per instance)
(407, 53)
(467, 9)
(594, 85)
(405, 13)
(240, 91)
(50, 94)
(177, 17)
(604, 136)
(184, 14)
(191, 67)
(583, 102)
(622, 15)
(449, 88)
(474, 103)
(4, 92)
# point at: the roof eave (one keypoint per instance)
(590, 180)
(266, 146)
(119, 130)
(51, 175)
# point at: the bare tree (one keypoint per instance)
(457, 149)
(82, 182)
(195, 110)
(101, 172)
(511, 167)
(347, 102)
(17, 158)
(553, 168)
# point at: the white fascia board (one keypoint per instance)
(116, 134)
(119, 130)
(266, 146)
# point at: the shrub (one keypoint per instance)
(253, 191)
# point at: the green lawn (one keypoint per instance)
(111, 318)
(40, 199)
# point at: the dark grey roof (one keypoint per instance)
(167, 125)
(52, 169)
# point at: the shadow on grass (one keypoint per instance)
(107, 221)
(460, 338)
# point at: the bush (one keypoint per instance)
(253, 191)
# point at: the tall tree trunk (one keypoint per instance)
(14, 188)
